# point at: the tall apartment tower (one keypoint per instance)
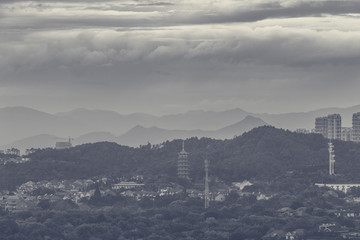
(321, 126)
(329, 127)
(183, 168)
(334, 126)
(356, 127)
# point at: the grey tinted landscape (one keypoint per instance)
(187, 119)
(174, 56)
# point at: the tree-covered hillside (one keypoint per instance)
(265, 153)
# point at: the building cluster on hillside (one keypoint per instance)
(11, 151)
(30, 194)
(12, 156)
(16, 160)
(330, 127)
(343, 187)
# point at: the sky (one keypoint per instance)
(167, 56)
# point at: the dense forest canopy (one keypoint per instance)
(264, 153)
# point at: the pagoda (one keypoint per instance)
(183, 168)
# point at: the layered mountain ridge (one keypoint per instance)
(25, 127)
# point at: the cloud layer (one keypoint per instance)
(164, 56)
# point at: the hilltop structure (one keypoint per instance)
(183, 168)
(63, 145)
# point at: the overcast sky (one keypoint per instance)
(171, 56)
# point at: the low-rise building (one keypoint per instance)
(127, 185)
(14, 203)
(346, 133)
(339, 187)
(63, 145)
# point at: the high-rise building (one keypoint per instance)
(183, 168)
(356, 127)
(321, 126)
(334, 126)
(346, 133)
(329, 127)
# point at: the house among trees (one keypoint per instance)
(13, 151)
(327, 227)
(13, 203)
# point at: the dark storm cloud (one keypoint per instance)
(233, 45)
(301, 9)
(200, 14)
(157, 4)
(225, 52)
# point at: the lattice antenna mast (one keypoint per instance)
(206, 193)
(331, 159)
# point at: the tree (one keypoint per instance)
(96, 199)
(44, 204)
(13, 151)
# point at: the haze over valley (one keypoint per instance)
(25, 128)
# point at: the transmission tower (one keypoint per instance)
(331, 159)
(206, 193)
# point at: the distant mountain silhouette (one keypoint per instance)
(19, 123)
(306, 120)
(205, 120)
(95, 137)
(248, 123)
(38, 141)
(141, 135)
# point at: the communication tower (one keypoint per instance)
(331, 159)
(206, 193)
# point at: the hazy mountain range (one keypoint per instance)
(24, 127)
(140, 135)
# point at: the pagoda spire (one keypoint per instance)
(183, 168)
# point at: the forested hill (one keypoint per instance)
(265, 153)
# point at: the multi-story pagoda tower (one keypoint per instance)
(183, 168)
(331, 159)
